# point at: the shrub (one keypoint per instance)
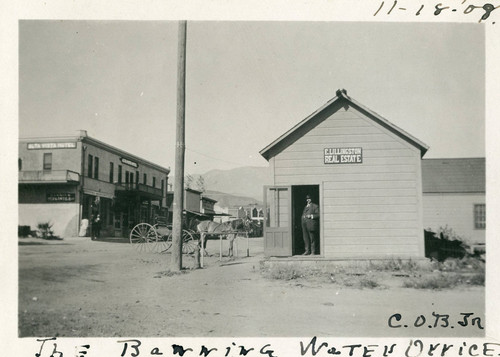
(435, 282)
(454, 264)
(365, 282)
(449, 234)
(284, 272)
(46, 231)
(477, 279)
(444, 244)
(395, 265)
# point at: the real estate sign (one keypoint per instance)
(343, 155)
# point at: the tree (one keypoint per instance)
(188, 181)
(200, 184)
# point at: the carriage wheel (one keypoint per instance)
(189, 243)
(143, 237)
(164, 241)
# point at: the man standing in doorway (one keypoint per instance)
(310, 217)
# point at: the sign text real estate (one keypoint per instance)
(343, 155)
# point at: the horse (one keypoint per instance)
(228, 229)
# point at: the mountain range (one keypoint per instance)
(240, 186)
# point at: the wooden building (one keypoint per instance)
(363, 172)
(64, 180)
(197, 207)
(454, 196)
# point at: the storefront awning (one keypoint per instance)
(195, 213)
(98, 193)
(138, 190)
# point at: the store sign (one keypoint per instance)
(343, 156)
(129, 162)
(42, 146)
(61, 197)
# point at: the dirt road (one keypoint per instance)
(82, 288)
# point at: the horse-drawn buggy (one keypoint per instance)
(157, 237)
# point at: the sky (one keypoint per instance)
(247, 83)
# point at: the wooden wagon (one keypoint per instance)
(157, 237)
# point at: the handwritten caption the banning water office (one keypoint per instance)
(343, 155)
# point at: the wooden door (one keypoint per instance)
(277, 221)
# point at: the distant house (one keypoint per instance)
(196, 206)
(254, 212)
(454, 195)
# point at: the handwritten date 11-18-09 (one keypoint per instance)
(485, 10)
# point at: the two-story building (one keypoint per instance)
(63, 180)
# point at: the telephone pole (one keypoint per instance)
(176, 264)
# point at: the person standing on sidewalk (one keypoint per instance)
(310, 217)
(95, 226)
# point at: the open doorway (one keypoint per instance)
(299, 194)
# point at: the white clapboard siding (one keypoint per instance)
(367, 210)
(372, 200)
(369, 252)
(299, 174)
(374, 208)
(373, 245)
(455, 211)
(367, 225)
(370, 241)
(394, 148)
(371, 185)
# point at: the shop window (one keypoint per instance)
(96, 168)
(162, 185)
(137, 178)
(480, 216)
(119, 174)
(111, 172)
(90, 165)
(154, 181)
(19, 164)
(47, 161)
(127, 176)
(145, 179)
(131, 178)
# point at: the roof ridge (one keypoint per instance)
(341, 94)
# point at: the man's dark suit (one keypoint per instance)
(310, 218)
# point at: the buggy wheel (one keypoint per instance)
(164, 242)
(143, 237)
(188, 242)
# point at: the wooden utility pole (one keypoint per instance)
(176, 264)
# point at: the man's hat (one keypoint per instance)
(308, 197)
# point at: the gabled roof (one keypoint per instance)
(342, 99)
(461, 175)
